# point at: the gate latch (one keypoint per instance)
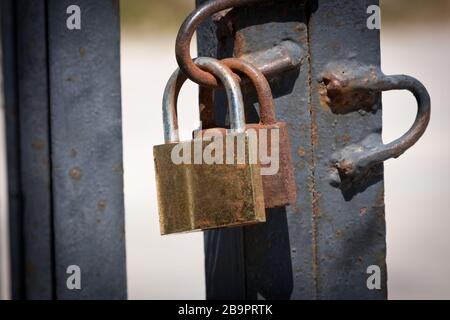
(358, 88)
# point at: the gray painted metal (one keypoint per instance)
(8, 25)
(349, 226)
(320, 247)
(34, 148)
(86, 149)
(62, 97)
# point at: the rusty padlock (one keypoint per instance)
(273, 139)
(195, 194)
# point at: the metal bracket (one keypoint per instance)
(283, 57)
(348, 89)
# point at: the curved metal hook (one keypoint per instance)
(186, 32)
(355, 160)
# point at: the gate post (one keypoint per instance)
(321, 247)
(86, 148)
(66, 195)
(15, 212)
(33, 101)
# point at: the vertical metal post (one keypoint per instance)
(34, 147)
(63, 108)
(12, 145)
(320, 247)
(86, 148)
(349, 225)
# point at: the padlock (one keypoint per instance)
(194, 194)
(278, 178)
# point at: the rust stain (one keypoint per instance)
(337, 93)
(314, 130)
(101, 205)
(38, 144)
(315, 208)
(75, 173)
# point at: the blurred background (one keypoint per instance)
(415, 39)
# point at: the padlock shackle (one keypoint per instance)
(232, 89)
(264, 92)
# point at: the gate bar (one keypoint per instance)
(63, 108)
(321, 247)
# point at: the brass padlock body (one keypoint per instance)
(204, 196)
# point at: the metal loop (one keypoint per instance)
(399, 146)
(356, 159)
(186, 32)
(176, 81)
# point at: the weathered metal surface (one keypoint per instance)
(355, 162)
(348, 225)
(34, 146)
(273, 259)
(86, 149)
(8, 29)
(196, 194)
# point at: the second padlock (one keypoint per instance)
(270, 137)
